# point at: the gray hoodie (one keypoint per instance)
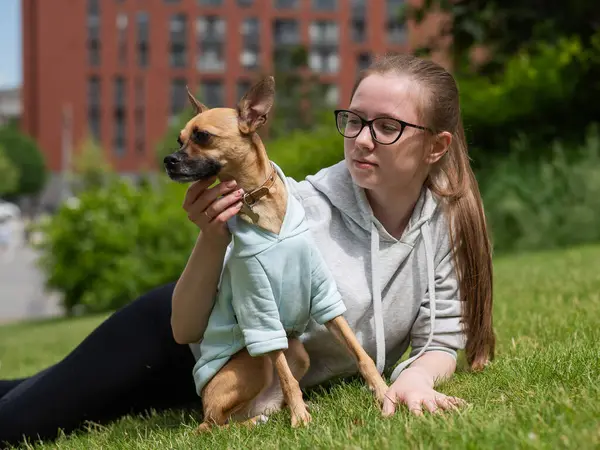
(397, 292)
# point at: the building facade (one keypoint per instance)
(117, 70)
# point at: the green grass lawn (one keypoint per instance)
(542, 391)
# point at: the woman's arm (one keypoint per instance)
(434, 366)
(194, 294)
(414, 387)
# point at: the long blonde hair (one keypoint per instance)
(453, 180)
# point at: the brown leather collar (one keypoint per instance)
(250, 198)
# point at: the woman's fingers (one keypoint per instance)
(200, 196)
(195, 190)
(415, 407)
(227, 214)
(222, 204)
(389, 402)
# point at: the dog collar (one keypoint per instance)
(250, 198)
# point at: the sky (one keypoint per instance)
(10, 43)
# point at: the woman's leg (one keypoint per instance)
(8, 385)
(130, 363)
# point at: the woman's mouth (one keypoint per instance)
(361, 164)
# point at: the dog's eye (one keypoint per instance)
(180, 142)
(200, 137)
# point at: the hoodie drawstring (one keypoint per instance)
(431, 288)
(377, 307)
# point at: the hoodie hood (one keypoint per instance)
(337, 185)
(250, 240)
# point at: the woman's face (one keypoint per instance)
(373, 165)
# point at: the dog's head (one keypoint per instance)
(218, 140)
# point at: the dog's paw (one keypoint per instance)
(204, 427)
(301, 418)
(379, 392)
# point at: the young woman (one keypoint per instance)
(401, 226)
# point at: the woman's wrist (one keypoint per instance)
(217, 242)
(417, 373)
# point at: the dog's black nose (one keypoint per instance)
(170, 160)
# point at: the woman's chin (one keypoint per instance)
(363, 180)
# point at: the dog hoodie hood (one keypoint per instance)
(250, 240)
(336, 185)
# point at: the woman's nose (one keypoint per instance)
(365, 140)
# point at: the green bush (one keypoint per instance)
(305, 153)
(545, 205)
(540, 94)
(25, 155)
(9, 174)
(109, 245)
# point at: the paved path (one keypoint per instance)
(22, 294)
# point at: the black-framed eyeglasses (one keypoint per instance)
(384, 130)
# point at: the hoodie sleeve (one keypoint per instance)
(326, 301)
(448, 335)
(255, 307)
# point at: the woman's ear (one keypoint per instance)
(441, 144)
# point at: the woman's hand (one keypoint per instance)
(211, 208)
(413, 389)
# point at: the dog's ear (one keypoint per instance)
(254, 107)
(198, 107)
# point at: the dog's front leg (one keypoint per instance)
(291, 390)
(342, 331)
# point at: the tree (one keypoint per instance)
(24, 154)
(504, 27)
(91, 168)
(9, 174)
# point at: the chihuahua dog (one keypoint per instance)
(242, 376)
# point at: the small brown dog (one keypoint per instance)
(224, 142)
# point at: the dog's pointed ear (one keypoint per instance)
(254, 107)
(198, 107)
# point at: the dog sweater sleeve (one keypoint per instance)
(255, 307)
(326, 301)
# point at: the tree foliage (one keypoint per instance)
(24, 154)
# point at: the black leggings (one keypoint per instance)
(129, 364)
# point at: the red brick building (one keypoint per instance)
(121, 66)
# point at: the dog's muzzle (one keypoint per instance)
(180, 167)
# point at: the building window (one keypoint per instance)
(324, 5)
(210, 38)
(120, 140)
(286, 32)
(242, 87)
(249, 56)
(177, 29)
(324, 37)
(122, 20)
(396, 30)
(331, 94)
(363, 60)
(245, 3)
(287, 53)
(210, 2)
(143, 38)
(358, 21)
(212, 93)
(94, 96)
(285, 4)
(178, 98)
(93, 28)
(140, 117)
